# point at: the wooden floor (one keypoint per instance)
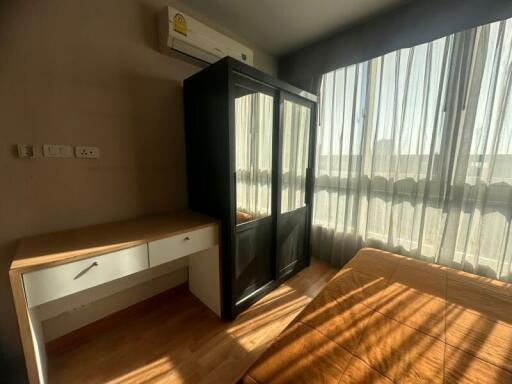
(174, 338)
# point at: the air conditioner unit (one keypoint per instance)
(181, 33)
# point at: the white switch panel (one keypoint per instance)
(87, 152)
(29, 151)
(52, 150)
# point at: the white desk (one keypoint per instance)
(50, 267)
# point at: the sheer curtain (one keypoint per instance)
(415, 154)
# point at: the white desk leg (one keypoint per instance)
(39, 344)
(204, 277)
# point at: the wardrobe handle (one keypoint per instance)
(309, 186)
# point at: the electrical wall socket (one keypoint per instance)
(87, 152)
(52, 150)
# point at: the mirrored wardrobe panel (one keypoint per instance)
(295, 169)
(254, 120)
(254, 123)
(295, 155)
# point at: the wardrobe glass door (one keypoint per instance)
(293, 217)
(254, 106)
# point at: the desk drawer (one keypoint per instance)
(171, 248)
(62, 280)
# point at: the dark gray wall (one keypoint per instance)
(413, 23)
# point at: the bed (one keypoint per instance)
(386, 318)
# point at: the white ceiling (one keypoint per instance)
(280, 26)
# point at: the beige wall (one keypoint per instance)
(86, 73)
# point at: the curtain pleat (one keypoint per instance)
(414, 154)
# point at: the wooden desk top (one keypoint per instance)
(61, 247)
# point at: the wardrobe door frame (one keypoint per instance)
(233, 68)
(308, 198)
(238, 305)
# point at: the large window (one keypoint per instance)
(415, 153)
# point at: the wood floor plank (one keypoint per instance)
(174, 338)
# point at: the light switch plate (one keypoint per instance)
(87, 152)
(28, 151)
(52, 150)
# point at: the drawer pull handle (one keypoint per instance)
(95, 264)
(187, 238)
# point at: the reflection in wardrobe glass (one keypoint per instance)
(296, 124)
(253, 146)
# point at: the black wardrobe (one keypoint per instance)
(250, 152)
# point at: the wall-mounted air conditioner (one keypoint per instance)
(179, 32)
